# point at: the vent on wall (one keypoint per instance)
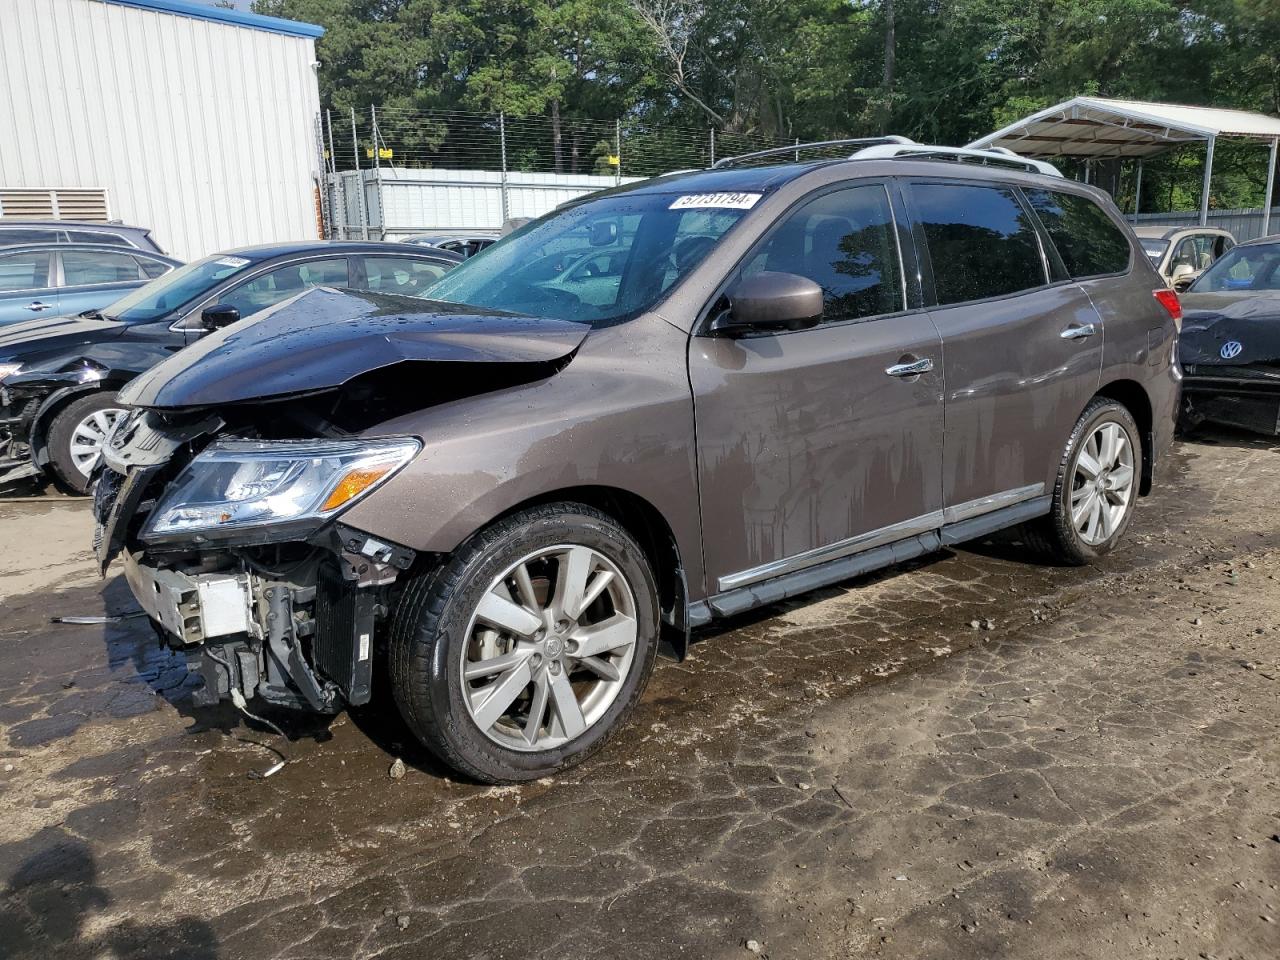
(54, 204)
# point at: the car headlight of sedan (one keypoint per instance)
(8, 370)
(238, 485)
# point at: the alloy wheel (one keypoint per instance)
(549, 647)
(89, 436)
(1102, 485)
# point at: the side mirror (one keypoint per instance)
(770, 301)
(218, 316)
(1182, 276)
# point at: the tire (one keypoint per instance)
(451, 619)
(1058, 535)
(70, 434)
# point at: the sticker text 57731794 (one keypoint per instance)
(722, 201)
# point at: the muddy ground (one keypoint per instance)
(1091, 771)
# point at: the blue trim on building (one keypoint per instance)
(238, 18)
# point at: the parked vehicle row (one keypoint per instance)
(663, 404)
(59, 376)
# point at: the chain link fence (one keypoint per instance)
(394, 172)
(461, 140)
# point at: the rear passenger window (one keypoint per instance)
(844, 242)
(82, 268)
(400, 275)
(980, 241)
(1088, 240)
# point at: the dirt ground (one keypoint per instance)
(972, 756)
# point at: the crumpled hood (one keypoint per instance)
(1232, 328)
(324, 337)
(29, 338)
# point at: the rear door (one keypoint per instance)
(1023, 347)
(95, 278)
(816, 444)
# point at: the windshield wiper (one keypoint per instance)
(94, 315)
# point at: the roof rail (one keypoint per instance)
(995, 156)
(795, 148)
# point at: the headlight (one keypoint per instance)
(237, 484)
(8, 370)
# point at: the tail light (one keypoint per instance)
(1169, 300)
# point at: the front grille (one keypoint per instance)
(343, 640)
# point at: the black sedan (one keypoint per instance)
(1230, 341)
(59, 375)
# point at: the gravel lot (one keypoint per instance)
(971, 756)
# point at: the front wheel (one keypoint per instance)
(1096, 488)
(77, 435)
(527, 649)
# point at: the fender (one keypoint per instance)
(38, 433)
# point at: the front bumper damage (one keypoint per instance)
(17, 415)
(288, 616)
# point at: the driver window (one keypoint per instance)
(844, 242)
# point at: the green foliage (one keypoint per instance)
(804, 68)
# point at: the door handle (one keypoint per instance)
(37, 306)
(1078, 331)
(912, 369)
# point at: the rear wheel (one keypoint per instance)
(529, 647)
(77, 435)
(1096, 488)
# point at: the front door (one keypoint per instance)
(1023, 354)
(815, 444)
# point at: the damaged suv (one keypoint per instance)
(773, 378)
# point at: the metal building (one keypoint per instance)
(196, 121)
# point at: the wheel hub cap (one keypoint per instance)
(550, 645)
(88, 437)
(1103, 483)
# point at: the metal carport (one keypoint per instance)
(1095, 128)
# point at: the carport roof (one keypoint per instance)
(1094, 127)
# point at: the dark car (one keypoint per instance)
(467, 245)
(786, 377)
(59, 376)
(1230, 341)
(49, 279)
(14, 231)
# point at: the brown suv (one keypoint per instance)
(667, 403)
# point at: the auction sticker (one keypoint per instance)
(715, 201)
(231, 261)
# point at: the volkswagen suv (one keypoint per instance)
(508, 495)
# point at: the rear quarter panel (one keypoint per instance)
(1139, 342)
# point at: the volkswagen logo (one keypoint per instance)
(1231, 349)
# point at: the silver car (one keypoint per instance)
(1181, 254)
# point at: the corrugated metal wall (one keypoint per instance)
(202, 131)
(1244, 224)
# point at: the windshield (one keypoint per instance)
(1243, 268)
(174, 289)
(599, 262)
(1154, 249)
